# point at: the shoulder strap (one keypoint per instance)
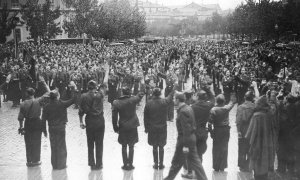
(27, 114)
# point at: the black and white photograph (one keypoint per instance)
(150, 89)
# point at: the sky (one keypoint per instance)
(224, 4)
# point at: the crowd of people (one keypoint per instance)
(262, 80)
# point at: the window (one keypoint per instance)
(15, 3)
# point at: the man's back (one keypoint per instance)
(243, 116)
(201, 110)
(125, 107)
(156, 113)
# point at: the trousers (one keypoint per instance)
(243, 157)
(33, 145)
(95, 142)
(194, 161)
(58, 148)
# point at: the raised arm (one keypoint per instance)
(69, 102)
(104, 86)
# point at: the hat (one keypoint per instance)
(30, 91)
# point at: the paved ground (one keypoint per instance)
(12, 153)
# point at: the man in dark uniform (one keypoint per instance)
(125, 122)
(186, 141)
(155, 121)
(30, 110)
(91, 104)
(242, 85)
(243, 117)
(25, 81)
(61, 81)
(204, 101)
(55, 112)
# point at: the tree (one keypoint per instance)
(6, 23)
(81, 17)
(40, 19)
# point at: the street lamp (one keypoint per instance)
(15, 22)
(277, 34)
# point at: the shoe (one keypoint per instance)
(125, 167)
(130, 167)
(94, 167)
(29, 164)
(99, 167)
(161, 166)
(155, 166)
(187, 176)
(33, 164)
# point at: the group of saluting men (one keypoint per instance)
(266, 127)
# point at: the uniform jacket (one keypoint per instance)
(156, 113)
(201, 110)
(91, 104)
(124, 112)
(55, 112)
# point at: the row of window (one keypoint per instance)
(15, 3)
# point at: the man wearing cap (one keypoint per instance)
(186, 141)
(91, 104)
(125, 123)
(155, 121)
(243, 116)
(219, 118)
(55, 112)
(30, 110)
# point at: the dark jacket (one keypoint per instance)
(201, 111)
(186, 126)
(219, 115)
(56, 112)
(91, 104)
(156, 113)
(124, 112)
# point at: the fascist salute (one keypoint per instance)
(155, 121)
(125, 123)
(91, 105)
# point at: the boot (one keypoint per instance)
(161, 158)
(130, 159)
(124, 157)
(155, 158)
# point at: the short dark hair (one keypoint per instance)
(30, 91)
(220, 99)
(201, 94)
(249, 96)
(126, 91)
(156, 92)
(92, 85)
